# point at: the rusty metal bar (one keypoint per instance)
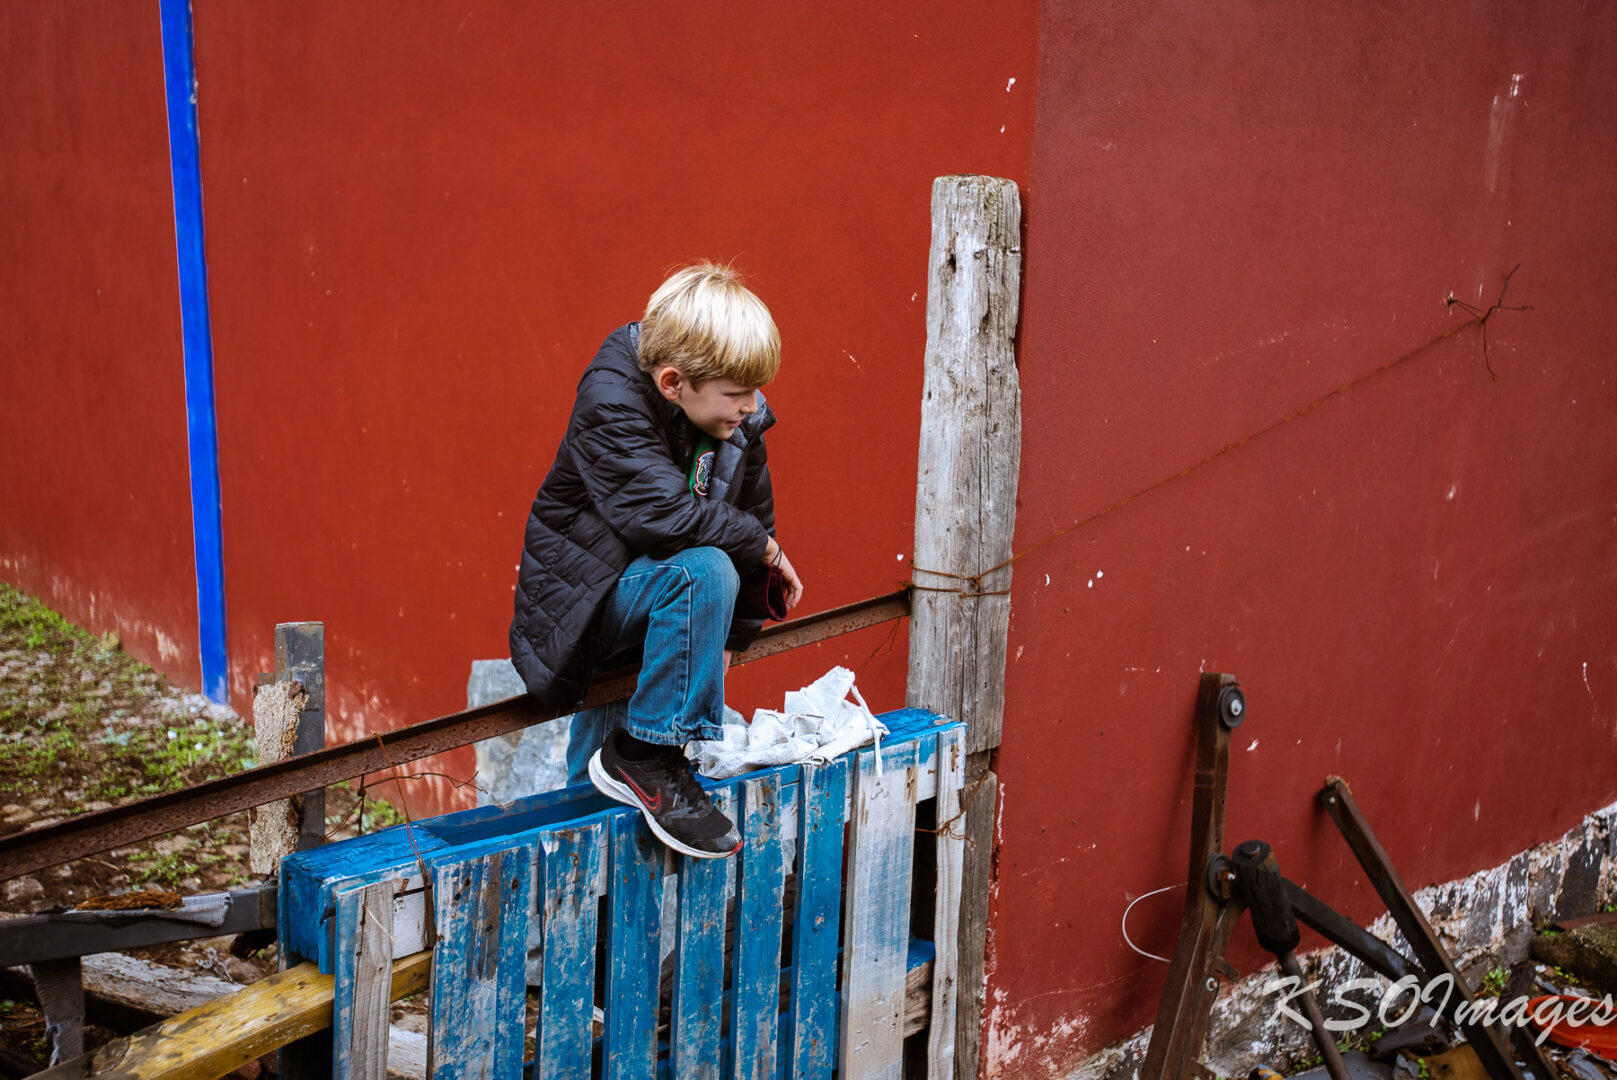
(37, 849)
(1492, 1050)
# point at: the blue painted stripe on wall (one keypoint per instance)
(179, 81)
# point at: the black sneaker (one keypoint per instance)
(666, 793)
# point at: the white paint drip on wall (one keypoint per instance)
(1496, 138)
(168, 648)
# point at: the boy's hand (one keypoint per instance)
(794, 585)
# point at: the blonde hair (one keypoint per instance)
(707, 325)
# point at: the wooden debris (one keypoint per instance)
(151, 988)
(222, 1035)
(138, 900)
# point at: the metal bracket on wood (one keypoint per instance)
(1221, 887)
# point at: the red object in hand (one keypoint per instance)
(764, 590)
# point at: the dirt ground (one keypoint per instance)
(83, 727)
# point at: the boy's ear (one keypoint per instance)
(668, 380)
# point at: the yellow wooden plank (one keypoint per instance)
(212, 1039)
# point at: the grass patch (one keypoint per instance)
(81, 717)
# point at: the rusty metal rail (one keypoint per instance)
(37, 849)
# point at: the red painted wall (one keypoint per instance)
(1234, 211)
(423, 221)
(94, 480)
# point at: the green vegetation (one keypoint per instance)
(368, 814)
(167, 871)
(1493, 983)
(80, 717)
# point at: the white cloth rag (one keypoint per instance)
(818, 724)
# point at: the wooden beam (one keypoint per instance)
(965, 515)
(951, 852)
(364, 944)
(982, 787)
(215, 1038)
(876, 916)
(157, 989)
(971, 438)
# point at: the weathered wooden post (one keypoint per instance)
(965, 512)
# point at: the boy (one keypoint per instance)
(659, 502)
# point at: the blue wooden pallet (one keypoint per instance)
(510, 896)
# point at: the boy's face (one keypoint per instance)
(716, 406)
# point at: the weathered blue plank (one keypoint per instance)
(876, 905)
(570, 861)
(480, 906)
(822, 793)
(755, 975)
(906, 723)
(634, 934)
(309, 878)
(699, 962)
(362, 990)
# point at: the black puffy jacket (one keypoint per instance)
(619, 489)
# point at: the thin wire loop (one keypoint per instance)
(1124, 925)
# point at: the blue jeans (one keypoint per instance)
(674, 615)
